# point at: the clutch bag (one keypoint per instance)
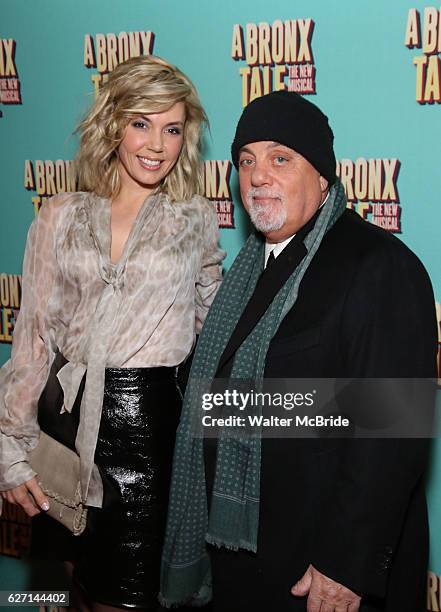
(58, 474)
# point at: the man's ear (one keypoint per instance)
(323, 183)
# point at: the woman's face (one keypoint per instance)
(150, 147)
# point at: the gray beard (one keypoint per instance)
(267, 218)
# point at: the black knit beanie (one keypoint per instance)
(286, 117)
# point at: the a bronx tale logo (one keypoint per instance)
(10, 300)
(15, 531)
(47, 178)
(425, 34)
(278, 56)
(9, 81)
(104, 52)
(217, 173)
(371, 190)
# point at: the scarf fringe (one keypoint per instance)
(218, 543)
(191, 603)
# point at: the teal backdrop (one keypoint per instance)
(374, 67)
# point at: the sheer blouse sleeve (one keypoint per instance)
(23, 377)
(210, 274)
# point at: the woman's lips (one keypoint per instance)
(150, 164)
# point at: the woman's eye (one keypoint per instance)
(174, 130)
(138, 123)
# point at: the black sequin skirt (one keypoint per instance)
(117, 559)
(120, 554)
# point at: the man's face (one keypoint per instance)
(280, 189)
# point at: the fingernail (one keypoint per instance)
(45, 506)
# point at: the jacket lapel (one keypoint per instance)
(268, 285)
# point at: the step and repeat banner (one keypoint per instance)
(374, 67)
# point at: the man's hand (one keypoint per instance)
(325, 595)
(29, 496)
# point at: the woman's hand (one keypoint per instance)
(29, 496)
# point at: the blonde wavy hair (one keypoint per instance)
(139, 86)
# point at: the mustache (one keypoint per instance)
(263, 192)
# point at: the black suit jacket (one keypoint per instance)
(355, 509)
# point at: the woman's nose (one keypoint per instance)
(156, 142)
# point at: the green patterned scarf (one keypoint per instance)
(234, 512)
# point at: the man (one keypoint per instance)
(333, 525)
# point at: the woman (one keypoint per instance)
(117, 281)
